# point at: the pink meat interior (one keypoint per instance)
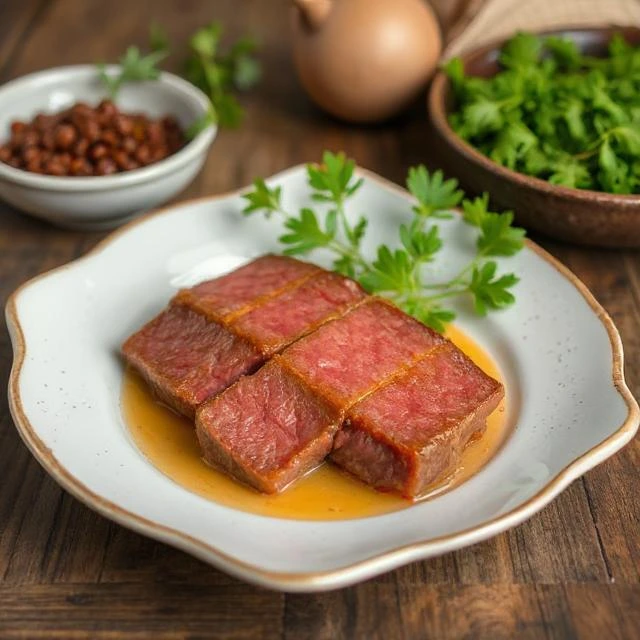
(348, 357)
(246, 286)
(298, 311)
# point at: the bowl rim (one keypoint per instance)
(171, 163)
(438, 113)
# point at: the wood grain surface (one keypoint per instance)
(572, 571)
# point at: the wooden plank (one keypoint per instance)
(381, 611)
(160, 610)
(16, 19)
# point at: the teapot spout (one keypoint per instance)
(314, 12)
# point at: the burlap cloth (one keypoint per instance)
(487, 20)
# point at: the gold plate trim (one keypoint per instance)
(331, 579)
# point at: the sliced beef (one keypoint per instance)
(267, 429)
(187, 356)
(298, 311)
(409, 432)
(241, 290)
(406, 398)
(273, 426)
(346, 359)
(186, 359)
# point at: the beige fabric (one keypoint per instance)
(496, 19)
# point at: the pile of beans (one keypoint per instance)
(90, 141)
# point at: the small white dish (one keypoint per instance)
(101, 202)
(557, 349)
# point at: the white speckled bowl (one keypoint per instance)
(105, 201)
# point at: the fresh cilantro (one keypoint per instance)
(398, 272)
(555, 113)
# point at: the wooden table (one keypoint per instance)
(572, 571)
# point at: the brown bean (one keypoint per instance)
(142, 154)
(121, 158)
(45, 156)
(155, 134)
(30, 138)
(44, 122)
(81, 147)
(5, 153)
(110, 138)
(138, 131)
(129, 145)
(132, 164)
(54, 168)
(107, 108)
(65, 135)
(48, 140)
(64, 159)
(159, 153)
(80, 167)
(31, 153)
(17, 127)
(98, 151)
(80, 109)
(105, 167)
(34, 165)
(123, 124)
(88, 128)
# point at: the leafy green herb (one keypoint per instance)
(219, 73)
(134, 67)
(398, 272)
(216, 73)
(555, 113)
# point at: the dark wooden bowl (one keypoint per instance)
(574, 215)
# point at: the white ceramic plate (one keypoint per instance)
(558, 350)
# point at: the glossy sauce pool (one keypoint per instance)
(169, 442)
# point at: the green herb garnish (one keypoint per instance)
(554, 113)
(218, 74)
(399, 272)
(134, 67)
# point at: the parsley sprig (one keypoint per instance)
(219, 73)
(554, 113)
(216, 72)
(134, 67)
(399, 272)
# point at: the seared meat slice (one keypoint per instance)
(187, 355)
(346, 359)
(281, 320)
(228, 296)
(408, 433)
(187, 359)
(267, 429)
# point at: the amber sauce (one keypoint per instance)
(169, 442)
